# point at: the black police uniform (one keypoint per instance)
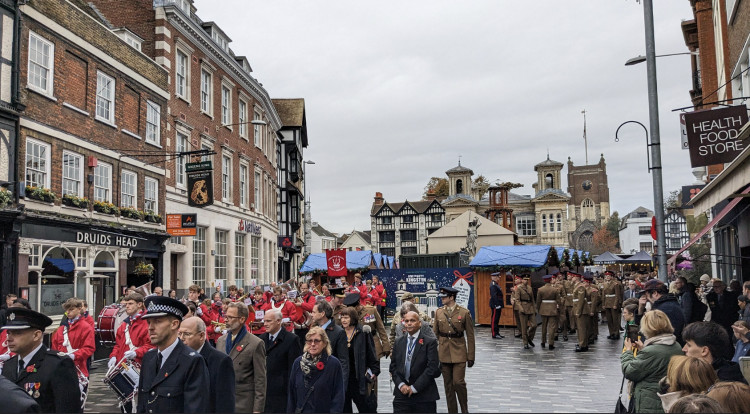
(180, 383)
(15, 400)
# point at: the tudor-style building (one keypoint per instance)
(675, 230)
(402, 228)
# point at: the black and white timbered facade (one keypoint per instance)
(402, 228)
(293, 141)
(676, 232)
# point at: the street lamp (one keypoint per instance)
(653, 115)
(308, 222)
(640, 59)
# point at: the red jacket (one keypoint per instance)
(138, 335)
(259, 329)
(288, 310)
(81, 336)
(308, 302)
(215, 316)
(380, 289)
(4, 343)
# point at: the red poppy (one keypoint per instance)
(239, 348)
(31, 368)
(421, 341)
(320, 365)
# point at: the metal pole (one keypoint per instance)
(653, 112)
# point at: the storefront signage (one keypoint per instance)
(181, 224)
(200, 183)
(688, 192)
(285, 242)
(249, 227)
(713, 135)
(106, 239)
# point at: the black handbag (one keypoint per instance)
(620, 407)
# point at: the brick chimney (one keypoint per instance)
(378, 198)
(430, 194)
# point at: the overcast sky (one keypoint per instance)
(395, 91)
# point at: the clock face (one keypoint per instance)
(586, 185)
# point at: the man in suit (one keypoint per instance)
(524, 298)
(48, 377)
(248, 358)
(548, 301)
(282, 348)
(632, 292)
(496, 304)
(220, 371)
(322, 314)
(454, 329)
(174, 378)
(414, 367)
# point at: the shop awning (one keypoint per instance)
(607, 258)
(711, 224)
(640, 257)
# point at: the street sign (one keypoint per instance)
(181, 224)
(713, 135)
(200, 183)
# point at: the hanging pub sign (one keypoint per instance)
(713, 135)
(200, 183)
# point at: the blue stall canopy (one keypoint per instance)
(520, 256)
(356, 259)
(607, 258)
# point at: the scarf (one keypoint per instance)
(664, 339)
(240, 335)
(307, 363)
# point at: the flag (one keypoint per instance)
(653, 227)
(336, 261)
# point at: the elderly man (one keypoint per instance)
(723, 305)
(249, 359)
(220, 371)
(282, 348)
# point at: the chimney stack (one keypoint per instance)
(378, 198)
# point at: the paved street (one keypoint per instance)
(505, 378)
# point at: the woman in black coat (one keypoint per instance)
(364, 366)
(316, 383)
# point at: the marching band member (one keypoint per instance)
(286, 307)
(75, 339)
(232, 292)
(132, 339)
(201, 311)
(382, 295)
(371, 295)
(214, 329)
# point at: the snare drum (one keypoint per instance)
(109, 319)
(123, 380)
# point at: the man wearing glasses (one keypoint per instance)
(249, 360)
(220, 370)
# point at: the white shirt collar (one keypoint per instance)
(415, 335)
(201, 348)
(273, 337)
(167, 352)
(31, 354)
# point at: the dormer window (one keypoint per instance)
(130, 38)
(221, 41)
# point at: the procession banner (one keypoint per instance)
(336, 260)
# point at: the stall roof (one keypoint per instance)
(607, 258)
(640, 257)
(521, 256)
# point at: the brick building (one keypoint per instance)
(217, 105)
(87, 139)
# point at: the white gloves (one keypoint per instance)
(112, 362)
(198, 311)
(129, 354)
(4, 357)
(72, 356)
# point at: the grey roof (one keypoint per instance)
(635, 212)
(548, 163)
(319, 230)
(557, 191)
(459, 169)
(464, 197)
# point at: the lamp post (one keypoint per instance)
(653, 112)
(308, 222)
(640, 59)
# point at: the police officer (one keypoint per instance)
(496, 304)
(452, 323)
(547, 302)
(47, 376)
(524, 298)
(174, 378)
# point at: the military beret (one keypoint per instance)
(588, 278)
(157, 306)
(351, 299)
(547, 277)
(448, 291)
(22, 318)
(609, 272)
(574, 274)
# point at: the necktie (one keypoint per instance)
(159, 358)
(20, 365)
(409, 350)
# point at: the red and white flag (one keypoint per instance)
(336, 260)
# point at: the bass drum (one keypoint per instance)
(109, 320)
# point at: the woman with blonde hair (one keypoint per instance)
(316, 383)
(645, 363)
(685, 375)
(733, 396)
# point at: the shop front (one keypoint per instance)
(58, 260)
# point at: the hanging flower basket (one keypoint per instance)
(144, 269)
